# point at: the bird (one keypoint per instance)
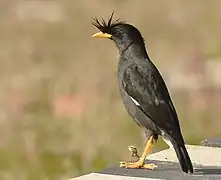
(144, 92)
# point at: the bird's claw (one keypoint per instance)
(150, 166)
(134, 153)
(134, 165)
(132, 149)
(122, 163)
(137, 165)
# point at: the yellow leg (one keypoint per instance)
(140, 163)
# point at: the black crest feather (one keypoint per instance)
(103, 25)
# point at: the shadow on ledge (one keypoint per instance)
(167, 170)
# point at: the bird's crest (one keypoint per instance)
(103, 25)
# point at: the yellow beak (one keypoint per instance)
(102, 35)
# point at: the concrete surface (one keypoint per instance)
(200, 155)
(96, 176)
(206, 162)
(216, 142)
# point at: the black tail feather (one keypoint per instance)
(183, 158)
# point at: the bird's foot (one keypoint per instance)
(150, 166)
(137, 165)
(133, 150)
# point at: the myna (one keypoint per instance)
(144, 92)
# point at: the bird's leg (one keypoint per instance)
(140, 163)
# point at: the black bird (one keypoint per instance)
(144, 92)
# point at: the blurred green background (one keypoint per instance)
(61, 115)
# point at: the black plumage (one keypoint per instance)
(143, 90)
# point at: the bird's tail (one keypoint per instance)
(183, 157)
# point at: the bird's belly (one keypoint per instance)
(129, 105)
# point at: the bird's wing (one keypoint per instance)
(145, 86)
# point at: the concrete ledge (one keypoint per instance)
(200, 155)
(206, 162)
(216, 142)
(96, 176)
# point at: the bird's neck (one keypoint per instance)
(134, 51)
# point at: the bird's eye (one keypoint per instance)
(116, 34)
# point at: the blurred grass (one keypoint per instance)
(61, 114)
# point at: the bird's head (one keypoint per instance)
(121, 33)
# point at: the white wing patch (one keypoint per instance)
(165, 139)
(168, 142)
(134, 101)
